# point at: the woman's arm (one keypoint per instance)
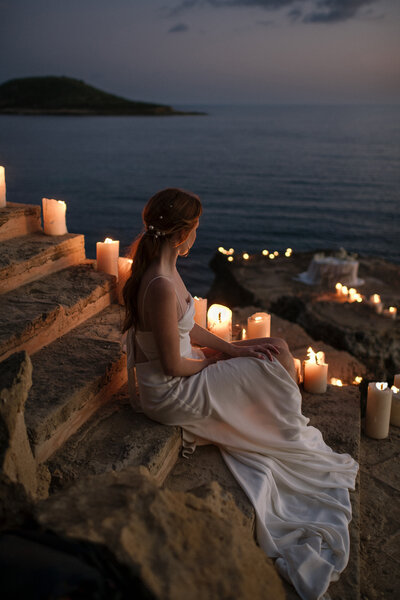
(162, 314)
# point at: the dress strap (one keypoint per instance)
(148, 285)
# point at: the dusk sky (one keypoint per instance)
(210, 51)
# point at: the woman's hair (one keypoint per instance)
(169, 213)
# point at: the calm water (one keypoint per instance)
(305, 177)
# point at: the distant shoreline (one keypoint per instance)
(29, 112)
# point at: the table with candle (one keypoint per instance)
(200, 311)
(315, 372)
(54, 216)
(107, 254)
(219, 320)
(258, 325)
(2, 188)
(379, 405)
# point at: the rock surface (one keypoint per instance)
(183, 546)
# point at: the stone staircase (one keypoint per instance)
(64, 315)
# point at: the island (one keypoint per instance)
(53, 95)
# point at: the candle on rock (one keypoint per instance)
(338, 288)
(124, 272)
(336, 381)
(107, 254)
(54, 216)
(200, 311)
(396, 380)
(219, 319)
(390, 312)
(259, 325)
(395, 411)
(379, 404)
(375, 300)
(244, 334)
(315, 372)
(2, 188)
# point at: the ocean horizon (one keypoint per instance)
(269, 176)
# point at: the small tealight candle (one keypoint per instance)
(200, 311)
(315, 371)
(395, 411)
(338, 288)
(246, 256)
(2, 188)
(375, 300)
(335, 381)
(107, 254)
(390, 312)
(124, 272)
(265, 252)
(259, 325)
(352, 294)
(54, 216)
(219, 320)
(379, 404)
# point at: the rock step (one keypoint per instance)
(39, 312)
(30, 257)
(18, 219)
(115, 438)
(72, 378)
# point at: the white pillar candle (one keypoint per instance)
(2, 188)
(219, 319)
(200, 311)
(379, 404)
(54, 216)
(315, 373)
(396, 381)
(107, 254)
(395, 410)
(259, 325)
(124, 272)
(375, 300)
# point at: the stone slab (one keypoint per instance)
(72, 378)
(39, 312)
(115, 438)
(18, 219)
(30, 257)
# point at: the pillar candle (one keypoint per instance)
(107, 254)
(2, 188)
(124, 272)
(375, 300)
(396, 381)
(54, 216)
(395, 410)
(219, 319)
(315, 373)
(338, 288)
(200, 311)
(379, 404)
(259, 325)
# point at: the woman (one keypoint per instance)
(242, 397)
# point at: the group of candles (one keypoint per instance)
(352, 295)
(383, 408)
(218, 320)
(246, 256)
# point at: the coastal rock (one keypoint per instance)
(182, 546)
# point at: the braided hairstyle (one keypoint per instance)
(170, 213)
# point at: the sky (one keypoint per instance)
(210, 51)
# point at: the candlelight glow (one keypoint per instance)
(272, 256)
(244, 334)
(288, 252)
(276, 253)
(265, 252)
(246, 256)
(219, 320)
(375, 298)
(345, 290)
(337, 382)
(230, 258)
(395, 389)
(226, 252)
(358, 379)
(317, 358)
(108, 240)
(393, 310)
(381, 385)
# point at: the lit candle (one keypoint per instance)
(335, 381)
(219, 319)
(259, 325)
(375, 300)
(246, 256)
(352, 295)
(338, 287)
(244, 334)
(288, 252)
(379, 404)
(315, 372)
(2, 188)
(265, 252)
(395, 411)
(200, 311)
(345, 290)
(390, 312)
(54, 216)
(107, 254)
(124, 272)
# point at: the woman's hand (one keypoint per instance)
(262, 351)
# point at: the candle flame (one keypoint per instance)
(288, 252)
(230, 258)
(61, 202)
(246, 256)
(376, 298)
(272, 256)
(358, 379)
(381, 385)
(345, 290)
(226, 252)
(276, 253)
(392, 309)
(258, 318)
(244, 334)
(265, 252)
(315, 357)
(337, 382)
(338, 286)
(395, 389)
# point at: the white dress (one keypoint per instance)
(251, 409)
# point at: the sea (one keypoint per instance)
(269, 177)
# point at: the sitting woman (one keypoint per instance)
(240, 396)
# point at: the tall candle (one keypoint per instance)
(124, 272)
(219, 319)
(395, 411)
(315, 373)
(54, 216)
(2, 188)
(259, 325)
(375, 300)
(379, 404)
(107, 254)
(200, 311)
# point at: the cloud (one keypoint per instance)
(319, 11)
(179, 28)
